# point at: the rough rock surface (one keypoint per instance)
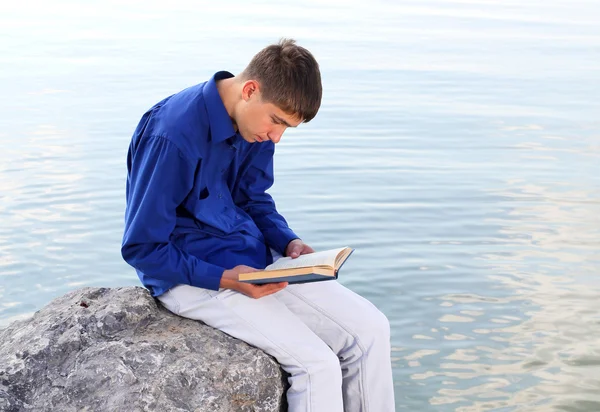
(117, 349)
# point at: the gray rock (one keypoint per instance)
(100, 349)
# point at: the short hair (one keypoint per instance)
(289, 78)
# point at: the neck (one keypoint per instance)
(229, 90)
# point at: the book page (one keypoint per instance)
(326, 257)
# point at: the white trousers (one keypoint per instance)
(334, 343)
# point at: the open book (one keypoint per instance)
(313, 267)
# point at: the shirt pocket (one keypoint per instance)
(215, 208)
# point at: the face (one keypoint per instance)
(259, 121)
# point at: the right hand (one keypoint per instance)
(230, 280)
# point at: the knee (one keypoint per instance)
(384, 326)
(326, 366)
(322, 372)
(376, 329)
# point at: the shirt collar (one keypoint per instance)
(221, 126)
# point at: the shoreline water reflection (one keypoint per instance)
(457, 149)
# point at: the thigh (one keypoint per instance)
(339, 316)
(265, 323)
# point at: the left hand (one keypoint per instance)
(296, 248)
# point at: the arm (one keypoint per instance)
(159, 180)
(252, 197)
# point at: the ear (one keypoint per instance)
(250, 88)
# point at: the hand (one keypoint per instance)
(230, 280)
(296, 248)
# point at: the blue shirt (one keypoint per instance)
(196, 194)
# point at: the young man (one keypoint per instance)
(198, 214)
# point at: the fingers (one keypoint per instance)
(300, 249)
(294, 248)
(304, 250)
(271, 288)
(260, 291)
(307, 249)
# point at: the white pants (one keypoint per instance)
(334, 343)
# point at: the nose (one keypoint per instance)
(275, 135)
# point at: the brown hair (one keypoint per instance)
(289, 78)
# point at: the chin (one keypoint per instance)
(251, 140)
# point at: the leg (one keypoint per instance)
(357, 332)
(316, 379)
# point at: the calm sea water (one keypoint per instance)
(457, 149)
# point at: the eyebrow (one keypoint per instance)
(280, 120)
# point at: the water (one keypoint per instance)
(457, 149)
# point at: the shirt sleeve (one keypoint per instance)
(159, 179)
(253, 198)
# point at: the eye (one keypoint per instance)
(278, 122)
